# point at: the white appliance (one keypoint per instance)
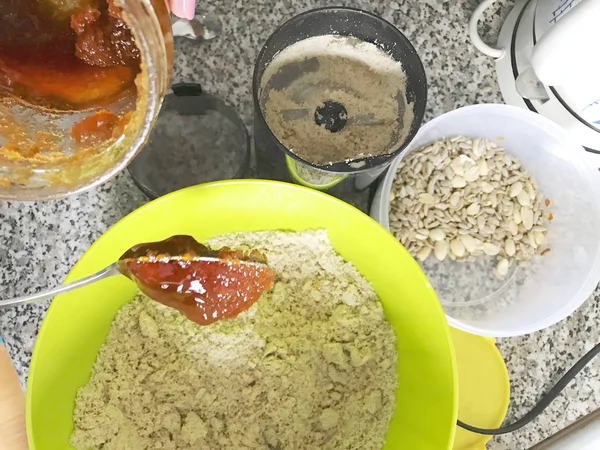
(548, 61)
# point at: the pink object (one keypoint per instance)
(183, 8)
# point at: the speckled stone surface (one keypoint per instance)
(40, 242)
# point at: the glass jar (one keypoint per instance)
(40, 158)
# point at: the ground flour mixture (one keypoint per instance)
(368, 82)
(311, 365)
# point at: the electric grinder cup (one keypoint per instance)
(335, 32)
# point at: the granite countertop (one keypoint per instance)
(39, 242)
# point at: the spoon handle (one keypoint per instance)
(49, 293)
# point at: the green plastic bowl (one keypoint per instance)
(78, 322)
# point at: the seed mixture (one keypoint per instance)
(462, 198)
(311, 365)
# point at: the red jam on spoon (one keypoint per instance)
(204, 284)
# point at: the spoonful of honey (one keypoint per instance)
(204, 284)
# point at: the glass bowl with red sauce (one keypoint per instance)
(81, 84)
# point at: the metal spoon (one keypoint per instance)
(107, 272)
(176, 248)
(49, 293)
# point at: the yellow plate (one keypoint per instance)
(483, 387)
(77, 323)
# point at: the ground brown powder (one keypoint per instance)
(369, 83)
(310, 366)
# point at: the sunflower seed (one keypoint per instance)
(454, 194)
(502, 268)
(471, 174)
(523, 198)
(454, 198)
(473, 209)
(509, 247)
(540, 237)
(471, 244)
(437, 235)
(517, 216)
(423, 254)
(458, 165)
(483, 168)
(440, 250)
(457, 247)
(527, 217)
(516, 188)
(427, 198)
(490, 249)
(458, 182)
(487, 187)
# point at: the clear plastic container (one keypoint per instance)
(197, 138)
(38, 158)
(552, 286)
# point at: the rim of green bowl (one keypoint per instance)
(159, 200)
